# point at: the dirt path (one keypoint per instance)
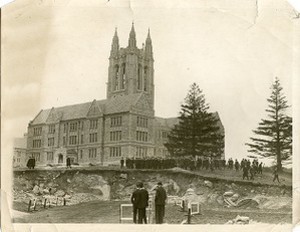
(108, 212)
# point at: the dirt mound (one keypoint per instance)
(88, 185)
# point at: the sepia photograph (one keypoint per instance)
(143, 112)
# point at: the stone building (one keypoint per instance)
(103, 131)
(20, 151)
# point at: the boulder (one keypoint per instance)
(241, 220)
(123, 176)
(68, 180)
(207, 183)
(235, 197)
(36, 189)
(228, 194)
(60, 193)
(45, 191)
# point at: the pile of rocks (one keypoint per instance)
(242, 220)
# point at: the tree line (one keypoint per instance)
(199, 132)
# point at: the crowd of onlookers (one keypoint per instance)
(248, 168)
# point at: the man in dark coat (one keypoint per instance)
(31, 163)
(160, 201)
(142, 203)
(122, 162)
(134, 198)
(68, 163)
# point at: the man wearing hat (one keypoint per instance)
(142, 203)
(160, 201)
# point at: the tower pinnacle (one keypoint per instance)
(115, 44)
(132, 39)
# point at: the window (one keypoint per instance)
(51, 129)
(81, 139)
(142, 122)
(116, 121)
(50, 142)
(115, 151)
(73, 139)
(37, 131)
(123, 76)
(93, 137)
(36, 156)
(49, 156)
(92, 152)
(94, 124)
(140, 73)
(64, 140)
(142, 136)
(116, 77)
(141, 151)
(145, 78)
(36, 143)
(73, 126)
(164, 134)
(65, 127)
(81, 154)
(115, 135)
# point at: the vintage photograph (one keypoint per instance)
(136, 112)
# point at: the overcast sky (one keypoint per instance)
(56, 53)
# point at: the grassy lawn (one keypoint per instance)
(108, 212)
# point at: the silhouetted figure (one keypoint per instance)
(31, 163)
(245, 173)
(142, 203)
(160, 201)
(134, 199)
(68, 163)
(122, 162)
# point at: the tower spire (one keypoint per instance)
(148, 47)
(115, 44)
(132, 38)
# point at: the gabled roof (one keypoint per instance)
(113, 105)
(166, 122)
(121, 103)
(170, 122)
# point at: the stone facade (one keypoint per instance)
(103, 131)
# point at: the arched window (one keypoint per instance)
(145, 78)
(116, 77)
(123, 76)
(140, 74)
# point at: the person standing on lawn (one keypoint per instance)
(134, 198)
(142, 203)
(160, 201)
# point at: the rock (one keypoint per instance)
(233, 185)
(207, 183)
(60, 193)
(220, 200)
(252, 191)
(68, 180)
(228, 194)
(36, 189)
(235, 197)
(242, 219)
(45, 191)
(123, 176)
(229, 222)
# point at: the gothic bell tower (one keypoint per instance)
(131, 68)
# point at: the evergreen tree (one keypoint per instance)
(197, 132)
(274, 134)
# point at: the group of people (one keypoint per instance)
(140, 201)
(148, 163)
